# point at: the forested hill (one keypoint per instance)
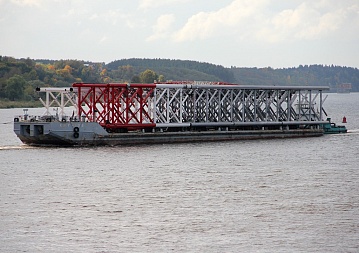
(20, 77)
(177, 69)
(332, 76)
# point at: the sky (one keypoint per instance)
(241, 33)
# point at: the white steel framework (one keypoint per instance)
(59, 98)
(190, 105)
(236, 105)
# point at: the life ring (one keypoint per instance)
(16, 119)
(76, 129)
(76, 135)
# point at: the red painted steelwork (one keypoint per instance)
(116, 105)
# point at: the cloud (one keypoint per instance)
(161, 28)
(103, 39)
(36, 3)
(208, 24)
(322, 25)
(308, 21)
(113, 16)
(149, 4)
(265, 20)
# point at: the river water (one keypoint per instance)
(290, 195)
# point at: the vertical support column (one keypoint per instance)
(267, 98)
(310, 105)
(180, 104)
(123, 105)
(154, 105)
(62, 113)
(93, 103)
(109, 104)
(288, 105)
(79, 103)
(219, 113)
(127, 106)
(243, 105)
(47, 106)
(141, 109)
(255, 106)
(299, 105)
(207, 105)
(194, 105)
(278, 104)
(232, 106)
(168, 106)
(321, 105)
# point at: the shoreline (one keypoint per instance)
(6, 104)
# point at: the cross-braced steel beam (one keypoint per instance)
(195, 104)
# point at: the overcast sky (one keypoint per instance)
(243, 33)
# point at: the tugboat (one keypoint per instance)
(332, 128)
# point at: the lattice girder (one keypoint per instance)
(137, 106)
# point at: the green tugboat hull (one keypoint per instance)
(332, 128)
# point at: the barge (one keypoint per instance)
(172, 112)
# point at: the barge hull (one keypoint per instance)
(209, 136)
(62, 134)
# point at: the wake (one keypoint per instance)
(17, 147)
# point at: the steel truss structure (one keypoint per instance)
(199, 105)
(59, 98)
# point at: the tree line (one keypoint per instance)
(20, 77)
(312, 75)
(181, 69)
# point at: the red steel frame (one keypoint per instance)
(116, 105)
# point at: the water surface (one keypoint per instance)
(290, 195)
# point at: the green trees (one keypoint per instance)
(122, 73)
(135, 79)
(177, 67)
(19, 77)
(161, 78)
(148, 76)
(127, 74)
(15, 87)
(312, 75)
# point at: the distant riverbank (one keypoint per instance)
(18, 104)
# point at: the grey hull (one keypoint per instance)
(92, 134)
